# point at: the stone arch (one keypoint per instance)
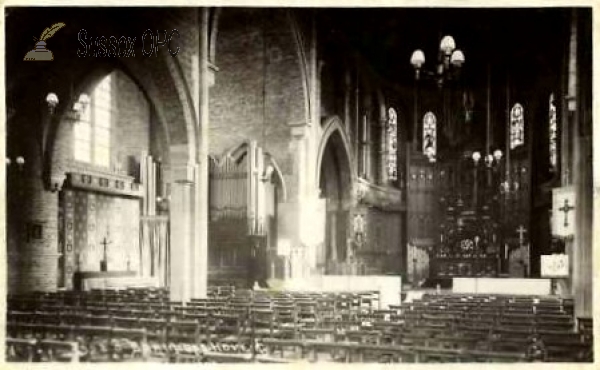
(171, 104)
(335, 179)
(303, 64)
(279, 179)
(334, 128)
(238, 151)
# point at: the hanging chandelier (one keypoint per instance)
(450, 60)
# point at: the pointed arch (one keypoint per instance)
(170, 103)
(278, 176)
(238, 152)
(334, 126)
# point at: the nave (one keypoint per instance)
(287, 186)
(143, 325)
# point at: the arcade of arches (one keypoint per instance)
(278, 144)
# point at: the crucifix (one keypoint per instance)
(521, 231)
(105, 242)
(566, 208)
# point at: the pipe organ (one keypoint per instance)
(154, 225)
(241, 201)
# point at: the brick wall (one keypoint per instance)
(258, 87)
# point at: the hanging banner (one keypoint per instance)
(563, 211)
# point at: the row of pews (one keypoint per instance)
(261, 326)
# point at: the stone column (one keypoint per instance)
(182, 232)
(199, 255)
(582, 278)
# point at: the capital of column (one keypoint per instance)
(212, 72)
(183, 173)
(299, 129)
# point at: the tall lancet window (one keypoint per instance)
(430, 135)
(517, 126)
(92, 130)
(392, 145)
(553, 134)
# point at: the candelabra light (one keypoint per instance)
(449, 63)
(450, 59)
(20, 161)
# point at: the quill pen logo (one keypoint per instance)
(40, 53)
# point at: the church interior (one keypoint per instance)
(277, 185)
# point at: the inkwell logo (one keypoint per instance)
(40, 53)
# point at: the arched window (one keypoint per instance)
(429, 135)
(517, 126)
(392, 144)
(92, 129)
(553, 134)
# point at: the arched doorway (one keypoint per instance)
(335, 183)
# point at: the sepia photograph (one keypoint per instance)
(284, 185)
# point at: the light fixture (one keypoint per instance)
(476, 157)
(417, 60)
(450, 61)
(20, 161)
(447, 45)
(52, 99)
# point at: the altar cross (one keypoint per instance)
(566, 208)
(521, 231)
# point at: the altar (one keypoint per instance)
(89, 280)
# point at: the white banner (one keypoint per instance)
(563, 211)
(555, 265)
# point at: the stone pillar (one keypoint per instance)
(199, 256)
(182, 232)
(298, 146)
(582, 278)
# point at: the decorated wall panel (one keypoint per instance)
(92, 220)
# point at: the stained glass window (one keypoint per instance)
(392, 144)
(429, 135)
(553, 133)
(92, 129)
(517, 126)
